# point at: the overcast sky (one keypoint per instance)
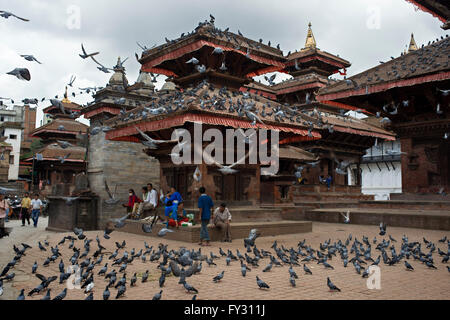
(361, 31)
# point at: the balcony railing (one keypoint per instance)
(381, 158)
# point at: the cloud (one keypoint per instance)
(113, 27)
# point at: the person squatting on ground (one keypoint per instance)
(222, 219)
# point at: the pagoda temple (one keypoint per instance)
(213, 72)
(342, 137)
(209, 93)
(410, 95)
(54, 164)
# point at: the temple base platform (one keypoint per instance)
(239, 230)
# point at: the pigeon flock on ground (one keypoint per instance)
(106, 271)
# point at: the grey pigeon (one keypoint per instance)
(62, 295)
(21, 295)
(261, 284)
(29, 57)
(121, 291)
(189, 288)
(163, 232)
(106, 293)
(157, 296)
(292, 281)
(47, 295)
(21, 74)
(219, 277)
(408, 266)
(332, 286)
(307, 270)
(268, 267)
(6, 15)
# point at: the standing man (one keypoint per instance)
(153, 195)
(25, 209)
(222, 219)
(36, 205)
(328, 181)
(205, 204)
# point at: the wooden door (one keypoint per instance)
(229, 187)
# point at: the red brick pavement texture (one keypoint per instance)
(396, 282)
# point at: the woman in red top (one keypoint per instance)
(132, 200)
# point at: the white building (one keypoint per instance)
(13, 133)
(381, 172)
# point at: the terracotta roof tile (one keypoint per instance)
(431, 59)
(70, 125)
(53, 151)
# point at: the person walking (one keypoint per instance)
(36, 205)
(222, 220)
(205, 204)
(25, 209)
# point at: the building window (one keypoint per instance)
(11, 159)
(13, 136)
(2, 118)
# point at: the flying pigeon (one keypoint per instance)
(21, 74)
(29, 57)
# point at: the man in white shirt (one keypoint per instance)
(222, 219)
(36, 206)
(153, 195)
(149, 200)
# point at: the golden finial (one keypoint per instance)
(66, 100)
(310, 40)
(412, 44)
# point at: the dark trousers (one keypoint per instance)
(25, 215)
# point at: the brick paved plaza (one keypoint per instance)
(396, 282)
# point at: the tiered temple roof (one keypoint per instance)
(211, 95)
(64, 128)
(427, 64)
(438, 8)
(118, 95)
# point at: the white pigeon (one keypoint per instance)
(89, 287)
(346, 217)
(197, 174)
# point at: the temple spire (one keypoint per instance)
(412, 44)
(310, 40)
(66, 99)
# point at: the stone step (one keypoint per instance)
(331, 196)
(243, 214)
(193, 203)
(327, 204)
(420, 197)
(424, 219)
(239, 230)
(406, 204)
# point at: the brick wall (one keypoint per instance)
(123, 164)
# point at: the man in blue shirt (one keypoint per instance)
(205, 204)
